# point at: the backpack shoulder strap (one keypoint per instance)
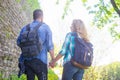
(28, 27)
(81, 41)
(74, 34)
(84, 43)
(37, 27)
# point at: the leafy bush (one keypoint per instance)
(91, 74)
(108, 72)
(51, 76)
(111, 72)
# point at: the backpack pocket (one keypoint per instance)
(32, 36)
(30, 51)
(34, 50)
(25, 51)
(88, 59)
(24, 36)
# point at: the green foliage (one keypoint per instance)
(18, 1)
(111, 72)
(33, 4)
(91, 74)
(113, 31)
(66, 8)
(0, 75)
(103, 14)
(13, 77)
(28, 6)
(108, 72)
(84, 1)
(51, 76)
(117, 3)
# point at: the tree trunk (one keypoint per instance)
(115, 7)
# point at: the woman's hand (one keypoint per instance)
(52, 63)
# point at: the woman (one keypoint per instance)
(69, 71)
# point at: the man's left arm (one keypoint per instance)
(18, 38)
(18, 44)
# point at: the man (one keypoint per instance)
(38, 65)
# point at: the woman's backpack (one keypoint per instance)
(83, 55)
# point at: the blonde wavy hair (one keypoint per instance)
(79, 27)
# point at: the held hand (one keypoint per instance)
(52, 63)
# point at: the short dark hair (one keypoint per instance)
(37, 14)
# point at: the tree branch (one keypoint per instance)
(115, 7)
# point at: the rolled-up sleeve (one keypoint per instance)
(65, 46)
(50, 45)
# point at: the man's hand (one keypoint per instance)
(52, 63)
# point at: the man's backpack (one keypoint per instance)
(83, 55)
(30, 42)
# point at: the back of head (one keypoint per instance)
(38, 13)
(80, 28)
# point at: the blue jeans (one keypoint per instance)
(71, 72)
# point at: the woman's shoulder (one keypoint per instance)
(69, 34)
(72, 34)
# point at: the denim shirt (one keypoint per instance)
(45, 35)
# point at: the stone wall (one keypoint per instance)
(12, 18)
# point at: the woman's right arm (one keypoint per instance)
(63, 51)
(52, 64)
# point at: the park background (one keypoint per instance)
(101, 17)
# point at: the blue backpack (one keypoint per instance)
(30, 43)
(83, 55)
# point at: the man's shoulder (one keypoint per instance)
(24, 27)
(45, 25)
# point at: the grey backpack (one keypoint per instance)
(30, 43)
